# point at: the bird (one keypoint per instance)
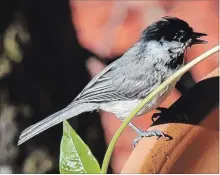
(122, 85)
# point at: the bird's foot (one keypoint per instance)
(147, 134)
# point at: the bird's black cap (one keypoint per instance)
(172, 28)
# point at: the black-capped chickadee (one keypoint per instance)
(122, 85)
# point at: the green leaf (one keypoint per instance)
(75, 155)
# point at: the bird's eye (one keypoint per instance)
(179, 35)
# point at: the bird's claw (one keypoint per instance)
(147, 134)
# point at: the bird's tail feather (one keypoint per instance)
(64, 114)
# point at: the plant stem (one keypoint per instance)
(177, 74)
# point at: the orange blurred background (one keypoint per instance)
(109, 28)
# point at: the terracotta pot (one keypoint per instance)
(194, 147)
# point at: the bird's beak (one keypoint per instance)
(195, 39)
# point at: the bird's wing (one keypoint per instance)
(122, 80)
(102, 76)
(136, 83)
(98, 80)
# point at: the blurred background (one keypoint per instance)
(49, 50)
